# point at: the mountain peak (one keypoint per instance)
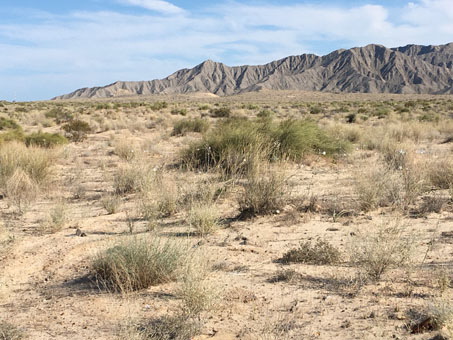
(369, 69)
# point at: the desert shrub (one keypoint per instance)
(178, 327)
(286, 275)
(124, 150)
(440, 312)
(10, 332)
(351, 118)
(265, 114)
(204, 219)
(440, 173)
(375, 253)
(129, 178)
(34, 161)
(102, 106)
(158, 106)
(111, 203)
(180, 112)
(12, 135)
(59, 114)
(320, 253)
(221, 112)
(45, 140)
(190, 125)
(8, 124)
(314, 110)
(238, 145)
(56, 219)
(381, 186)
(139, 263)
(20, 189)
(297, 138)
(263, 194)
(76, 130)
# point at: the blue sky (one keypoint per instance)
(51, 47)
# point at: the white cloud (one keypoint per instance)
(155, 5)
(95, 48)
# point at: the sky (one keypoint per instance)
(53, 47)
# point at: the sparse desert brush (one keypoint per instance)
(388, 247)
(20, 189)
(139, 263)
(204, 219)
(176, 327)
(440, 313)
(37, 162)
(59, 114)
(10, 332)
(77, 130)
(132, 177)
(440, 173)
(45, 140)
(381, 186)
(264, 193)
(182, 127)
(125, 150)
(320, 253)
(56, 219)
(204, 192)
(8, 124)
(111, 203)
(221, 112)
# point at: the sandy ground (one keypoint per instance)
(45, 288)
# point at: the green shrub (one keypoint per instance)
(59, 115)
(181, 112)
(238, 145)
(77, 130)
(12, 135)
(321, 253)
(8, 124)
(315, 110)
(158, 106)
(221, 112)
(190, 125)
(139, 263)
(45, 140)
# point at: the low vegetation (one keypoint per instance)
(320, 253)
(139, 263)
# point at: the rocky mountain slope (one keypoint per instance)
(369, 69)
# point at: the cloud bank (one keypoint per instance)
(55, 54)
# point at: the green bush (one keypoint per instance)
(59, 115)
(77, 130)
(237, 144)
(222, 112)
(45, 140)
(181, 112)
(320, 253)
(190, 125)
(12, 135)
(8, 124)
(158, 106)
(138, 264)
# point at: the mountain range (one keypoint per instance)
(370, 69)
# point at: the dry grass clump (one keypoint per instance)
(111, 203)
(440, 173)
(204, 219)
(384, 186)
(320, 253)
(264, 193)
(10, 332)
(20, 189)
(182, 127)
(56, 219)
(177, 327)
(139, 263)
(375, 253)
(34, 161)
(440, 312)
(132, 177)
(124, 150)
(45, 140)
